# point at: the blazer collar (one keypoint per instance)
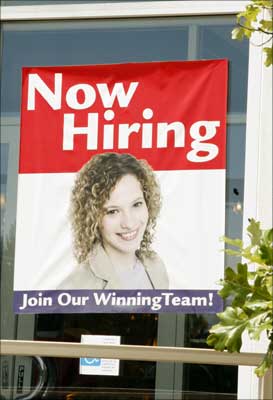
(102, 267)
(151, 265)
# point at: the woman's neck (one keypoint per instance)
(121, 260)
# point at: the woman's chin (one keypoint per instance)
(129, 247)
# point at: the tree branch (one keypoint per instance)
(261, 44)
(255, 29)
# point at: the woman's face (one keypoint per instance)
(125, 217)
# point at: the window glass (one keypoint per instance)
(215, 42)
(45, 370)
(117, 41)
(84, 43)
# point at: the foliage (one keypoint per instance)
(250, 292)
(257, 17)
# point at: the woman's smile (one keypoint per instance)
(128, 235)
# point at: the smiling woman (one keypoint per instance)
(114, 206)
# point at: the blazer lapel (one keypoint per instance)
(102, 267)
(156, 271)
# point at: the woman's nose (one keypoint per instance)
(127, 220)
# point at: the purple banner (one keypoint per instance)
(117, 301)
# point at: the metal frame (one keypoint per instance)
(127, 352)
(120, 10)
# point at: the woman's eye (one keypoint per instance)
(138, 204)
(111, 212)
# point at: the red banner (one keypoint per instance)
(173, 114)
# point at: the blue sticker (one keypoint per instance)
(91, 362)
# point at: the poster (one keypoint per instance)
(121, 188)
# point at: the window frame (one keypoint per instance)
(120, 10)
(258, 164)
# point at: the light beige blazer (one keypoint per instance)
(98, 273)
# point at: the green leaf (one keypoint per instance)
(255, 334)
(255, 232)
(236, 284)
(262, 286)
(268, 285)
(268, 236)
(266, 254)
(238, 33)
(268, 53)
(251, 275)
(257, 304)
(242, 274)
(263, 3)
(248, 32)
(252, 11)
(233, 242)
(230, 274)
(260, 290)
(266, 25)
(228, 333)
(259, 323)
(266, 363)
(249, 16)
(231, 252)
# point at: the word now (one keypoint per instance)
(54, 98)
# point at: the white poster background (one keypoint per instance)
(99, 366)
(187, 236)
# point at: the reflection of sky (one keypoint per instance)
(85, 46)
(101, 42)
(215, 42)
(235, 151)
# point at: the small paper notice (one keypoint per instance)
(99, 366)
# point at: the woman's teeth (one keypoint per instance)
(129, 235)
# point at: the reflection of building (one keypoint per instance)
(90, 33)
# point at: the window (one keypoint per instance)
(70, 42)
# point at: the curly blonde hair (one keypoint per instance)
(93, 186)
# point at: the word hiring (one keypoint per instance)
(200, 131)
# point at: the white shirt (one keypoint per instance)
(134, 278)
